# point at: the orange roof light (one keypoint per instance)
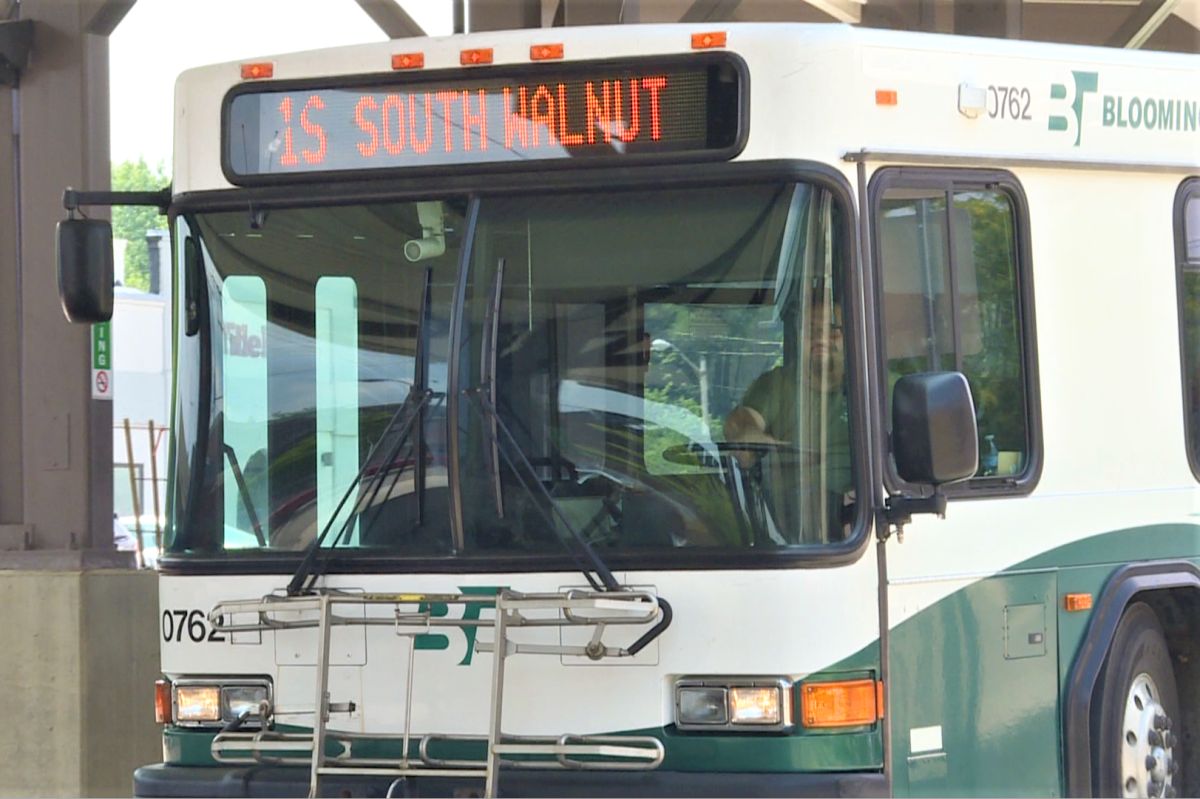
(162, 701)
(471, 58)
(258, 70)
(1076, 602)
(850, 703)
(545, 52)
(706, 41)
(408, 60)
(886, 97)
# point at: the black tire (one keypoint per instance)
(1138, 648)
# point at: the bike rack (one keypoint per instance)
(412, 616)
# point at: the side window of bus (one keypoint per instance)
(1187, 234)
(951, 278)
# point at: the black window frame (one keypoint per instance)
(483, 185)
(1189, 189)
(950, 180)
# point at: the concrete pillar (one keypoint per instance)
(78, 644)
(79, 650)
(65, 444)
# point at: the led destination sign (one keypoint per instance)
(568, 112)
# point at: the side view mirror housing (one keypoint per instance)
(934, 437)
(935, 440)
(84, 254)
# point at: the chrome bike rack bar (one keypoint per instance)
(411, 616)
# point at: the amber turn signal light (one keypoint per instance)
(162, 701)
(1076, 602)
(849, 703)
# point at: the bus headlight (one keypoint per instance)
(752, 704)
(216, 702)
(237, 700)
(197, 703)
(701, 705)
(756, 704)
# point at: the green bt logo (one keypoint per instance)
(1085, 83)
(471, 612)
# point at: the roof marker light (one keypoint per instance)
(471, 58)
(886, 97)
(258, 70)
(706, 41)
(545, 52)
(408, 60)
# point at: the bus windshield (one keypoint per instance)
(647, 370)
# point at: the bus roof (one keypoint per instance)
(817, 92)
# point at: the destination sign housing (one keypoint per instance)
(642, 109)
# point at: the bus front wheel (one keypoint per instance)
(1137, 712)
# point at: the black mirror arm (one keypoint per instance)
(73, 200)
(899, 508)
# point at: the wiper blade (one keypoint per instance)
(420, 382)
(590, 563)
(603, 579)
(485, 398)
(244, 493)
(418, 461)
(306, 572)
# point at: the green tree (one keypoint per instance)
(130, 222)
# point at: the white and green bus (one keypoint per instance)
(766, 410)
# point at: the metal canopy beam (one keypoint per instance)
(1147, 18)
(995, 18)
(108, 16)
(710, 11)
(391, 18)
(842, 10)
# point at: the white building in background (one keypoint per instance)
(141, 340)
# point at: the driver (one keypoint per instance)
(806, 422)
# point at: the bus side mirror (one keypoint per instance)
(934, 440)
(934, 437)
(85, 269)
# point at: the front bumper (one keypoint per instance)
(288, 781)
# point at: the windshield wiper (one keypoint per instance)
(244, 493)
(421, 383)
(410, 411)
(307, 572)
(591, 564)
